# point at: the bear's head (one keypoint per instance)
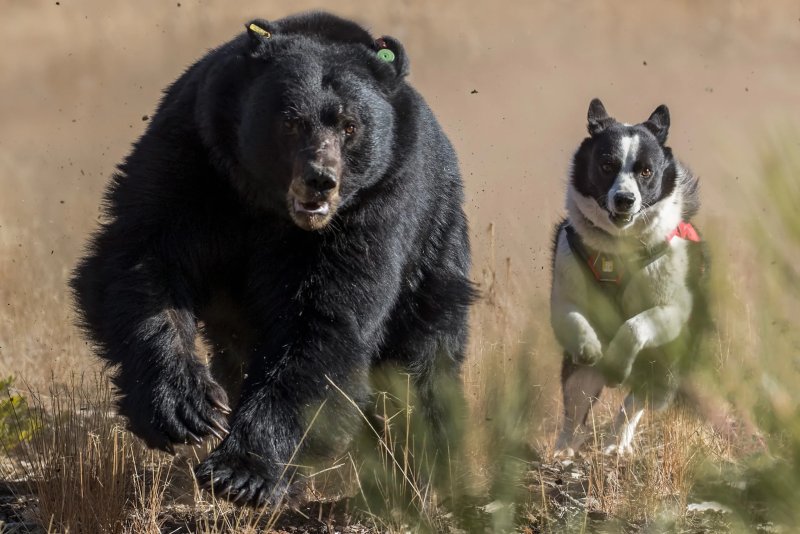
(301, 114)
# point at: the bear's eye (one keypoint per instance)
(290, 126)
(349, 129)
(646, 172)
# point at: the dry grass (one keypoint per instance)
(91, 476)
(88, 473)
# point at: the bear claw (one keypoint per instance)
(240, 481)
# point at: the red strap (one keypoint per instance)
(684, 230)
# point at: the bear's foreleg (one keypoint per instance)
(145, 327)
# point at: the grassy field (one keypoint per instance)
(510, 84)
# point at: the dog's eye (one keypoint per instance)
(646, 172)
(349, 129)
(606, 167)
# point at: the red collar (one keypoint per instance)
(685, 230)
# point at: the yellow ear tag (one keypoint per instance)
(260, 31)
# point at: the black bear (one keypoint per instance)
(295, 202)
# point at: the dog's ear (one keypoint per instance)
(598, 117)
(658, 123)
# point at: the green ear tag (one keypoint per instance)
(386, 55)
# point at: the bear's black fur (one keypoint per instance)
(295, 201)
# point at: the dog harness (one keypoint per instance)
(613, 271)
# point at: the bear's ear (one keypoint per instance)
(259, 32)
(658, 123)
(391, 51)
(598, 117)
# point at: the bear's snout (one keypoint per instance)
(320, 179)
(316, 175)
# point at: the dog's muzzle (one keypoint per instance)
(621, 209)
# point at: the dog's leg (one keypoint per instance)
(581, 386)
(651, 328)
(625, 425)
(631, 412)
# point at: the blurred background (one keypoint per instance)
(510, 82)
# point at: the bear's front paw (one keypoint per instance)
(180, 404)
(245, 478)
(589, 352)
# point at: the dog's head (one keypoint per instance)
(622, 170)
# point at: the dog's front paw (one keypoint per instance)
(245, 478)
(589, 352)
(616, 374)
(176, 404)
(620, 356)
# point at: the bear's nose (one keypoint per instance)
(320, 179)
(624, 200)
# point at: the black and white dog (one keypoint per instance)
(626, 303)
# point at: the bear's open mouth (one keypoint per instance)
(310, 209)
(321, 207)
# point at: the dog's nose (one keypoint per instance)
(624, 200)
(319, 179)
